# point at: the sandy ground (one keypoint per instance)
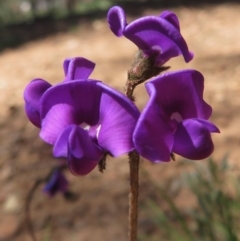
(212, 33)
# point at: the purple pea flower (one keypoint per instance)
(57, 183)
(83, 119)
(74, 68)
(152, 34)
(175, 118)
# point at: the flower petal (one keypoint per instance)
(57, 119)
(171, 18)
(83, 153)
(117, 20)
(32, 95)
(72, 102)
(118, 117)
(60, 148)
(77, 68)
(153, 136)
(210, 126)
(182, 92)
(57, 183)
(153, 34)
(192, 140)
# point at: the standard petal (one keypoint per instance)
(171, 18)
(153, 135)
(77, 68)
(32, 95)
(181, 92)
(118, 117)
(117, 20)
(157, 34)
(72, 102)
(192, 140)
(83, 153)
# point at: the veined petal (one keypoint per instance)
(72, 102)
(171, 18)
(192, 140)
(158, 34)
(117, 20)
(77, 68)
(153, 135)
(83, 153)
(181, 92)
(60, 148)
(32, 95)
(57, 119)
(118, 117)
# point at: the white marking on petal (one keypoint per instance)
(176, 116)
(85, 126)
(93, 131)
(98, 130)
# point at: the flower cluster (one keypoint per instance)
(85, 119)
(176, 116)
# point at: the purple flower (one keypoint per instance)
(84, 119)
(74, 68)
(57, 183)
(152, 34)
(175, 118)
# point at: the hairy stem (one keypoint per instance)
(142, 68)
(133, 195)
(29, 199)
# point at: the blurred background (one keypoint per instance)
(179, 201)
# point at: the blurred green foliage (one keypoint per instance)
(26, 20)
(211, 210)
(18, 11)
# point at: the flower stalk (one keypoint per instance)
(142, 69)
(133, 195)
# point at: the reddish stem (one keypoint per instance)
(142, 68)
